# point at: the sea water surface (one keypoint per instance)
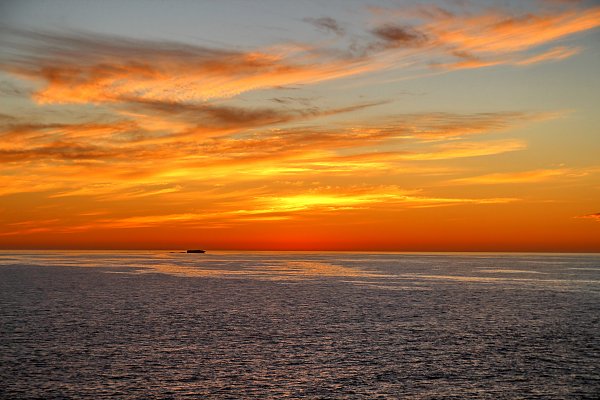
(239, 325)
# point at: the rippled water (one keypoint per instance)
(298, 325)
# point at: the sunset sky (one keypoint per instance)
(300, 125)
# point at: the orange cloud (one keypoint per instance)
(486, 37)
(103, 171)
(97, 69)
(127, 141)
(101, 69)
(557, 53)
(540, 175)
(468, 149)
(595, 217)
(348, 198)
(267, 204)
(218, 119)
(151, 139)
(498, 32)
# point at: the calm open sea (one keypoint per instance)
(235, 325)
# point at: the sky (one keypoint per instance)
(300, 125)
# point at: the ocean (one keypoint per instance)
(241, 325)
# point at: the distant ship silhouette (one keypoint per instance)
(196, 251)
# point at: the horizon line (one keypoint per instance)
(208, 250)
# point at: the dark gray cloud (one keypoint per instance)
(326, 24)
(59, 151)
(227, 117)
(394, 36)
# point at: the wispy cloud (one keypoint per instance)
(127, 141)
(106, 132)
(263, 205)
(533, 176)
(554, 54)
(217, 120)
(326, 24)
(485, 37)
(468, 149)
(92, 68)
(398, 36)
(349, 198)
(87, 68)
(595, 216)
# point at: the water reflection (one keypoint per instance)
(383, 271)
(136, 325)
(508, 271)
(284, 270)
